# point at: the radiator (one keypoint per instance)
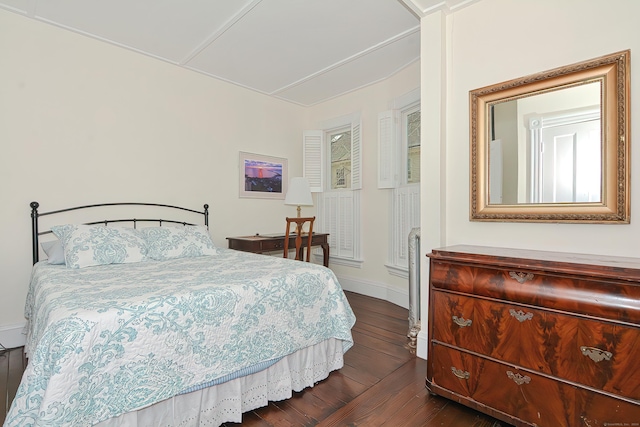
(414, 286)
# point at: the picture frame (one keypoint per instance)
(262, 177)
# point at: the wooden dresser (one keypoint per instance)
(536, 338)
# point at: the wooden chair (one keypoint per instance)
(300, 222)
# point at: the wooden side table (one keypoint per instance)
(260, 243)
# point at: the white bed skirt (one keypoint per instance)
(226, 402)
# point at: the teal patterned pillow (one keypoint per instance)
(87, 245)
(178, 242)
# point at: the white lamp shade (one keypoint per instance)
(298, 193)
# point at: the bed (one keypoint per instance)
(175, 332)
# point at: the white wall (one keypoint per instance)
(85, 122)
(574, 32)
(497, 40)
(373, 278)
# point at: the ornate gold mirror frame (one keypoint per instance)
(610, 78)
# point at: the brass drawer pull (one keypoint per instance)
(520, 276)
(520, 315)
(518, 379)
(460, 321)
(463, 375)
(596, 354)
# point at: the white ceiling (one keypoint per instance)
(302, 51)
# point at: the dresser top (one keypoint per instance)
(624, 268)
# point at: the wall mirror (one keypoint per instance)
(553, 146)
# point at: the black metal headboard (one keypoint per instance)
(35, 216)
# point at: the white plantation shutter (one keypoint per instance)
(356, 156)
(328, 207)
(401, 199)
(388, 149)
(345, 228)
(338, 212)
(313, 159)
(406, 216)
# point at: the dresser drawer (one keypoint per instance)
(572, 348)
(501, 331)
(271, 245)
(597, 354)
(607, 299)
(531, 398)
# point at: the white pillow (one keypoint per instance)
(178, 242)
(54, 251)
(87, 245)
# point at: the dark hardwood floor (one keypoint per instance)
(12, 364)
(381, 384)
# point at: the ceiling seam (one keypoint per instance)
(223, 29)
(351, 58)
(381, 79)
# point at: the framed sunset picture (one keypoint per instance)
(262, 176)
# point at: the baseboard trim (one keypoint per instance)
(375, 290)
(13, 335)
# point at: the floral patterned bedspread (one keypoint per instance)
(110, 339)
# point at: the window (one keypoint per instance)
(399, 171)
(332, 159)
(340, 151)
(411, 132)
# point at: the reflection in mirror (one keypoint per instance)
(546, 148)
(553, 146)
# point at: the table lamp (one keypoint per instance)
(298, 193)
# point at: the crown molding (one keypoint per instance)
(422, 8)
